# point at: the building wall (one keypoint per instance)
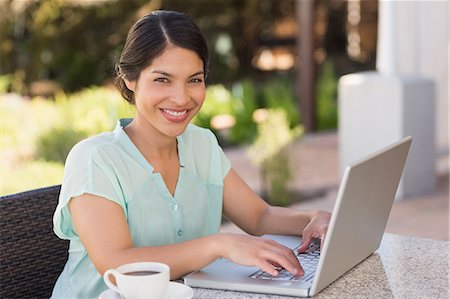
(433, 52)
(418, 37)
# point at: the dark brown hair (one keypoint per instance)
(147, 40)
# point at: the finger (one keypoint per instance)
(306, 240)
(297, 268)
(266, 267)
(275, 264)
(283, 256)
(322, 236)
(286, 259)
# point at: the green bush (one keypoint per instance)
(268, 151)
(56, 143)
(31, 175)
(38, 133)
(245, 103)
(280, 94)
(326, 96)
(92, 110)
(218, 100)
(241, 102)
(24, 121)
(80, 115)
(5, 82)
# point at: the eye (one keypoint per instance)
(161, 80)
(196, 80)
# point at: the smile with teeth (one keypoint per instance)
(175, 113)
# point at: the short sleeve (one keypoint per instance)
(225, 162)
(86, 171)
(218, 157)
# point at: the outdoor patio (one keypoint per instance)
(315, 159)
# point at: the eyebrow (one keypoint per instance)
(169, 75)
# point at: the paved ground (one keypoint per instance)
(315, 160)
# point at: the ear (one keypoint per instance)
(131, 85)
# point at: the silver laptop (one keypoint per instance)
(362, 208)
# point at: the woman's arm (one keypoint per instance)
(103, 230)
(247, 210)
(102, 227)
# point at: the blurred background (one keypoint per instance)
(284, 75)
(57, 68)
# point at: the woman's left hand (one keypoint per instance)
(316, 228)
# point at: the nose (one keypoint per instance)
(180, 96)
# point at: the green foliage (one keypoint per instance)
(245, 103)
(277, 175)
(72, 43)
(80, 115)
(23, 121)
(39, 133)
(268, 151)
(280, 94)
(273, 135)
(326, 96)
(242, 101)
(92, 110)
(219, 100)
(5, 82)
(30, 175)
(77, 42)
(56, 143)
(31, 124)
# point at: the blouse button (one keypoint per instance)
(180, 232)
(175, 207)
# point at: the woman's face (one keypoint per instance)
(170, 91)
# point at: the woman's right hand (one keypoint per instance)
(260, 252)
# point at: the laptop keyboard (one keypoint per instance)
(308, 260)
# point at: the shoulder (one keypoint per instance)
(91, 146)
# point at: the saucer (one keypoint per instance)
(174, 290)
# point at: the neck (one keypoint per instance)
(150, 141)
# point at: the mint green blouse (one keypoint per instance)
(109, 165)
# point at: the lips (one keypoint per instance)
(175, 115)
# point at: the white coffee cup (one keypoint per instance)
(139, 280)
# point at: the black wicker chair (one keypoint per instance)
(31, 256)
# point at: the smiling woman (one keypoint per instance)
(155, 188)
(168, 93)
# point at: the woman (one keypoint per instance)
(155, 188)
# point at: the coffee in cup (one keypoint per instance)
(139, 280)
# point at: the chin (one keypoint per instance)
(174, 132)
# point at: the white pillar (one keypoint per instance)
(377, 108)
(412, 41)
(386, 52)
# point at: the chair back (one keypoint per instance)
(31, 255)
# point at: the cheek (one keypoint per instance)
(149, 95)
(199, 96)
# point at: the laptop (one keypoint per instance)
(358, 221)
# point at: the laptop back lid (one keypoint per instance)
(360, 215)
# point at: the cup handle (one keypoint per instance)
(108, 282)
